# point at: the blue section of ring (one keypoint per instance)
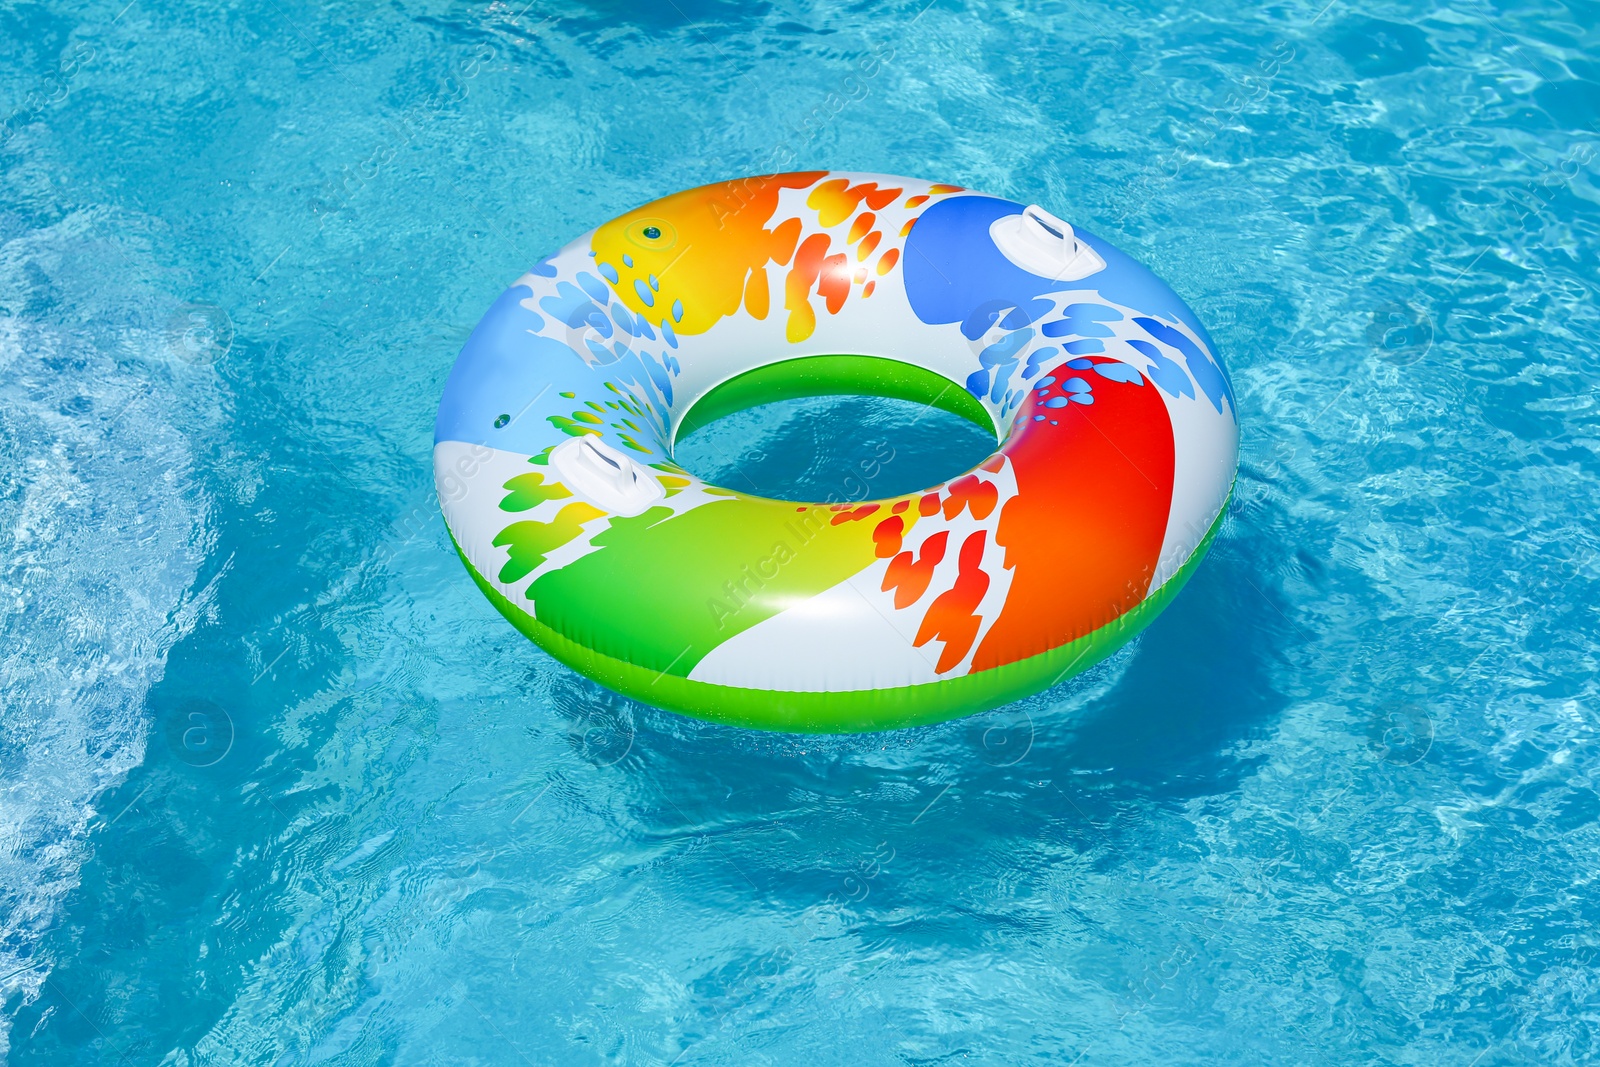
(954, 273)
(505, 364)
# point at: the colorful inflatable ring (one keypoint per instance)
(553, 454)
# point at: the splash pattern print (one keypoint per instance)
(1118, 425)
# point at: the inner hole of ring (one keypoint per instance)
(834, 449)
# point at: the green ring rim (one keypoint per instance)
(833, 375)
(856, 710)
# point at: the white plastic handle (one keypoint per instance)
(604, 477)
(1045, 227)
(1042, 244)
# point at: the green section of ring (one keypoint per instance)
(853, 711)
(792, 379)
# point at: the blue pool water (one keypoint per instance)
(277, 786)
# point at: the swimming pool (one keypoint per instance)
(280, 787)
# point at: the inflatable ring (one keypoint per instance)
(1117, 431)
